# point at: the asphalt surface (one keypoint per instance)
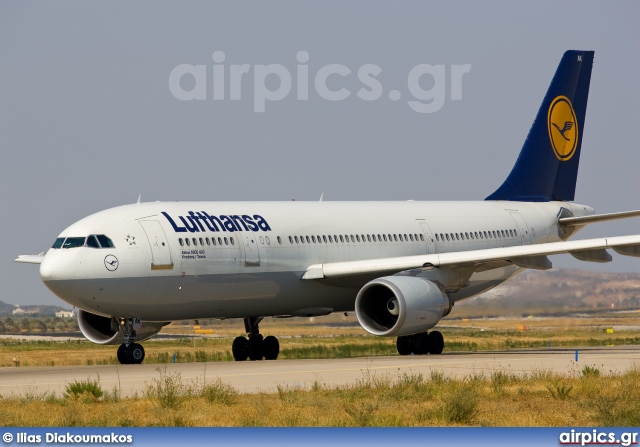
(266, 376)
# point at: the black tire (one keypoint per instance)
(420, 343)
(270, 348)
(255, 347)
(239, 349)
(436, 342)
(135, 353)
(404, 345)
(122, 354)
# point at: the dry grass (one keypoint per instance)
(406, 400)
(334, 336)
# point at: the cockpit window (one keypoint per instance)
(105, 242)
(73, 242)
(58, 243)
(92, 242)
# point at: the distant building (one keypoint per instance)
(21, 311)
(64, 314)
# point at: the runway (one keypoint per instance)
(266, 376)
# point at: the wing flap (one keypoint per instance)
(521, 253)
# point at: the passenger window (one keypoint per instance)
(368, 237)
(324, 238)
(422, 237)
(226, 241)
(395, 237)
(208, 242)
(358, 237)
(267, 239)
(308, 240)
(341, 238)
(352, 238)
(213, 241)
(92, 242)
(313, 238)
(58, 243)
(195, 242)
(296, 238)
(373, 236)
(187, 242)
(181, 242)
(330, 238)
(105, 242)
(201, 241)
(219, 241)
(233, 242)
(437, 237)
(447, 235)
(384, 237)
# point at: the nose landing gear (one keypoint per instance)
(256, 347)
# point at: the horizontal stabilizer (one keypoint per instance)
(30, 259)
(584, 220)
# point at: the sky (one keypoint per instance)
(103, 101)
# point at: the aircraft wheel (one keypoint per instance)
(255, 347)
(270, 348)
(122, 354)
(436, 342)
(404, 345)
(135, 353)
(239, 349)
(421, 343)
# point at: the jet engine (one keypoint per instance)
(105, 330)
(400, 305)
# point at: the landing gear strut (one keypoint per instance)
(129, 353)
(256, 347)
(423, 343)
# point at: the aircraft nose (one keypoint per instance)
(47, 269)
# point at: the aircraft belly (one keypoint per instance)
(208, 296)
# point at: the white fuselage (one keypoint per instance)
(247, 258)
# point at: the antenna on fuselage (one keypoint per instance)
(321, 197)
(139, 199)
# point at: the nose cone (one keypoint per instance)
(47, 269)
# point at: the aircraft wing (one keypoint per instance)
(30, 259)
(531, 256)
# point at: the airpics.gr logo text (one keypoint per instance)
(563, 128)
(196, 222)
(331, 82)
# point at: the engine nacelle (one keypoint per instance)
(400, 305)
(105, 330)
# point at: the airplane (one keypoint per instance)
(401, 266)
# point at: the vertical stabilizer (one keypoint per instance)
(547, 167)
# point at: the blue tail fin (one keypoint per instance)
(547, 167)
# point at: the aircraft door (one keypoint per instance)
(251, 250)
(160, 252)
(428, 235)
(525, 237)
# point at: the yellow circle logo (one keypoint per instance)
(563, 128)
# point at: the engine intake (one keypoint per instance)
(105, 330)
(400, 305)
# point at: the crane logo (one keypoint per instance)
(111, 263)
(563, 128)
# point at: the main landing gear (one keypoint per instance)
(256, 347)
(423, 343)
(129, 353)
